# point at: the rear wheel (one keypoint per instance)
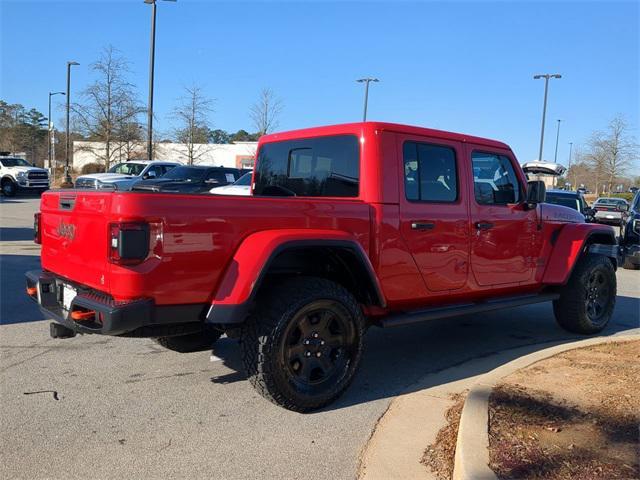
(586, 302)
(9, 187)
(192, 342)
(303, 345)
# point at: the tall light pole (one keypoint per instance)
(51, 94)
(569, 167)
(555, 156)
(366, 82)
(546, 77)
(67, 177)
(152, 57)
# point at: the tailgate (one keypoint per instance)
(74, 236)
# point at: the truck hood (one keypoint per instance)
(560, 214)
(108, 177)
(16, 170)
(544, 168)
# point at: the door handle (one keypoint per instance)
(484, 225)
(422, 225)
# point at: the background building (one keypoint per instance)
(236, 155)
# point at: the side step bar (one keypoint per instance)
(398, 320)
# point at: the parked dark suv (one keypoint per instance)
(190, 179)
(630, 241)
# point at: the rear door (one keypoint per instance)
(433, 209)
(504, 231)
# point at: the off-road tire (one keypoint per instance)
(571, 309)
(192, 342)
(9, 187)
(629, 265)
(264, 339)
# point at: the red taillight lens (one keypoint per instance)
(37, 232)
(128, 242)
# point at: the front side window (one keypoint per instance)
(429, 173)
(494, 180)
(188, 174)
(313, 167)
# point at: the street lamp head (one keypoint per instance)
(536, 77)
(72, 63)
(556, 75)
(56, 93)
(367, 79)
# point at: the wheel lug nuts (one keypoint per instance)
(307, 354)
(315, 334)
(318, 354)
(306, 342)
(321, 342)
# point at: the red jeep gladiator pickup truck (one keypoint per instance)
(348, 226)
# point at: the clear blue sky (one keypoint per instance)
(460, 66)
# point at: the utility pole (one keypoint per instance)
(366, 82)
(546, 77)
(555, 157)
(51, 132)
(152, 59)
(67, 177)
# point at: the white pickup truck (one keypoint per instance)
(123, 176)
(17, 174)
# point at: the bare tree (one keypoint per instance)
(612, 152)
(109, 106)
(265, 113)
(596, 161)
(193, 112)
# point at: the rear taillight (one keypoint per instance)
(37, 229)
(128, 242)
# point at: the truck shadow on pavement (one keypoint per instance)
(15, 234)
(407, 359)
(15, 306)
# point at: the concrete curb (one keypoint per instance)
(472, 446)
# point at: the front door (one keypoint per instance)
(433, 210)
(503, 229)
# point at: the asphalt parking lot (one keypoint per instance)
(103, 407)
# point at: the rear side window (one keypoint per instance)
(429, 173)
(494, 180)
(314, 167)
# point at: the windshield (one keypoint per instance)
(610, 201)
(128, 168)
(564, 200)
(244, 180)
(188, 174)
(14, 162)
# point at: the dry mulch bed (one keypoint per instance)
(572, 416)
(439, 456)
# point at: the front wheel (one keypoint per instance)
(587, 301)
(302, 346)
(9, 187)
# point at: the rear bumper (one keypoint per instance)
(140, 318)
(608, 217)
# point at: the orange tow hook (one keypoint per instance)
(79, 316)
(32, 290)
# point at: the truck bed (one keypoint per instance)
(192, 237)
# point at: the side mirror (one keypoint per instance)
(536, 192)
